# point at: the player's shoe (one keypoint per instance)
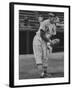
(43, 75)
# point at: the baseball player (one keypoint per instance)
(42, 44)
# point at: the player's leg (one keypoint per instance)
(45, 58)
(40, 70)
(45, 66)
(37, 48)
(49, 49)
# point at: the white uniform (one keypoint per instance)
(39, 45)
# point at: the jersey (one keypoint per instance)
(47, 27)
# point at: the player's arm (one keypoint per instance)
(54, 30)
(57, 22)
(43, 36)
(60, 24)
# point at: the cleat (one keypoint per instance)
(43, 75)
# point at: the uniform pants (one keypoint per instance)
(40, 51)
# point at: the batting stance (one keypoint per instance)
(42, 44)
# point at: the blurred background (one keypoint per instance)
(28, 26)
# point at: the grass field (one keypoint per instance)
(28, 68)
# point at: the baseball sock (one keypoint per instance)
(40, 70)
(45, 69)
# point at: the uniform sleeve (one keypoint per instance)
(43, 36)
(44, 25)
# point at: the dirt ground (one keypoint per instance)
(28, 68)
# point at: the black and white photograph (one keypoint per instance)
(40, 44)
(41, 57)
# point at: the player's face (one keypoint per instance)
(40, 19)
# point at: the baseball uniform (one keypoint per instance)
(40, 47)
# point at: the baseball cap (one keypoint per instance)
(51, 14)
